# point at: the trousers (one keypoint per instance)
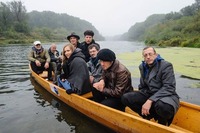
(159, 110)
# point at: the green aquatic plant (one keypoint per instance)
(185, 61)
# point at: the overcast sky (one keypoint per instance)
(110, 17)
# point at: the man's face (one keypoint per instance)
(88, 39)
(93, 52)
(73, 40)
(105, 64)
(149, 55)
(38, 46)
(53, 49)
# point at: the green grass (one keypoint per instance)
(186, 61)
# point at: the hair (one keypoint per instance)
(89, 32)
(71, 46)
(149, 47)
(92, 46)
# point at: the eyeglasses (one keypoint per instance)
(37, 45)
(148, 54)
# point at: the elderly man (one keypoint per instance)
(115, 81)
(39, 59)
(157, 97)
(55, 61)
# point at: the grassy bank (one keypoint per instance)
(186, 61)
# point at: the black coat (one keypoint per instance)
(76, 72)
(84, 48)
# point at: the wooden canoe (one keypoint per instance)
(186, 119)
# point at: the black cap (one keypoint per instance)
(89, 32)
(106, 55)
(73, 34)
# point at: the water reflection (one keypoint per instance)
(26, 107)
(77, 121)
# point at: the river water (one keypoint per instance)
(26, 107)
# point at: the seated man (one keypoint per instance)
(115, 81)
(94, 66)
(55, 61)
(39, 59)
(88, 40)
(95, 69)
(157, 97)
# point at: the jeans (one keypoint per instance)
(65, 84)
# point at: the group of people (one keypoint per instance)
(84, 67)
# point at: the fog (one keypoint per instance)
(110, 17)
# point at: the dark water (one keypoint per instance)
(25, 107)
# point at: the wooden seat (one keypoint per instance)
(87, 95)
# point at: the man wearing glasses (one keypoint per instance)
(157, 97)
(39, 59)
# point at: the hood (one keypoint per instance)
(77, 53)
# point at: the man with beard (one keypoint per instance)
(40, 60)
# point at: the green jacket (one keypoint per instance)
(42, 57)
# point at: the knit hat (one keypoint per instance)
(89, 32)
(106, 55)
(73, 34)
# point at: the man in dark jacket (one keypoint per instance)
(55, 61)
(88, 34)
(157, 97)
(116, 81)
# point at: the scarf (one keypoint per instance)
(147, 67)
(94, 61)
(38, 51)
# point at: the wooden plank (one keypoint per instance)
(122, 121)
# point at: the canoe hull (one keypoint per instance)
(116, 120)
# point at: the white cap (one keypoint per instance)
(37, 42)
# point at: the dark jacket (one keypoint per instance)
(54, 58)
(84, 48)
(117, 80)
(95, 70)
(158, 83)
(76, 72)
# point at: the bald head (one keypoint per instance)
(53, 47)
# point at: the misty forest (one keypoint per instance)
(173, 29)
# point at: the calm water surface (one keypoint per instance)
(26, 107)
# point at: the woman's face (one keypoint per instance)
(68, 51)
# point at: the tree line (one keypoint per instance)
(173, 29)
(19, 26)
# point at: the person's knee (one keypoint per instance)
(124, 99)
(164, 110)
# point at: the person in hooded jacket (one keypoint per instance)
(75, 78)
(88, 36)
(157, 97)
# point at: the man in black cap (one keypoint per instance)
(115, 81)
(74, 39)
(88, 34)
